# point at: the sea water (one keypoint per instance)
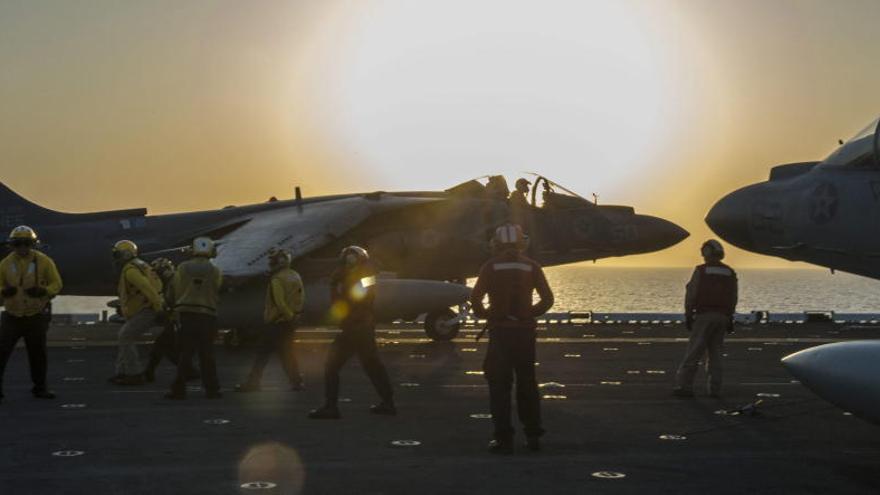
(661, 290)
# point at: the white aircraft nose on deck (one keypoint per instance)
(846, 374)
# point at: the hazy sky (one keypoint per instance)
(664, 105)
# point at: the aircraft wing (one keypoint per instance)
(300, 229)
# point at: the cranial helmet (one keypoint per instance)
(712, 249)
(23, 234)
(279, 258)
(204, 247)
(510, 235)
(125, 250)
(162, 266)
(353, 255)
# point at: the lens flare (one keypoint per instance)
(275, 464)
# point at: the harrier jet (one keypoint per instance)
(421, 241)
(825, 213)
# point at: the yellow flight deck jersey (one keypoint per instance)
(197, 287)
(139, 288)
(23, 273)
(285, 297)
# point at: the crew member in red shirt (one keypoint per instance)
(510, 278)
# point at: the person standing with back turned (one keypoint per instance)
(710, 302)
(197, 292)
(510, 278)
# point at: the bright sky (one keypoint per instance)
(663, 105)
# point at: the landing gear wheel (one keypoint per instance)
(442, 325)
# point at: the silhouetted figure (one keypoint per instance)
(710, 303)
(353, 292)
(165, 345)
(496, 188)
(285, 298)
(520, 208)
(510, 279)
(197, 293)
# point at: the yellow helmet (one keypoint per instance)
(125, 250)
(279, 258)
(163, 266)
(23, 233)
(204, 246)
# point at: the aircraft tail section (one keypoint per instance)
(16, 210)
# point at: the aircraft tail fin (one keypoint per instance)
(16, 210)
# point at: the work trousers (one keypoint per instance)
(33, 329)
(511, 354)
(165, 346)
(196, 336)
(276, 338)
(360, 340)
(127, 359)
(707, 339)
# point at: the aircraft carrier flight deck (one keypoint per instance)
(613, 425)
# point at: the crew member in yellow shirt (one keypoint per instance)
(197, 284)
(285, 298)
(142, 304)
(28, 281)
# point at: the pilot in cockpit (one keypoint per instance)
(496, 188)
(519, 197)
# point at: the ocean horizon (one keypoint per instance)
(661, 290)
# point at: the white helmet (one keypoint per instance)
(204, 246)
(712, 249)
(510, 235)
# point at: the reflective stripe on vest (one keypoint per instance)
(512, 266)
(719, 270)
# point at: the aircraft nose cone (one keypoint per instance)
(656, 234)
(668, 234)
(729, 219)
(843, 373)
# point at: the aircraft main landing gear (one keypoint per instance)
(444, 325)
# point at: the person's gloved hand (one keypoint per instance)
(730, 325)
(689, 322)
(9, 291)
(36, 292)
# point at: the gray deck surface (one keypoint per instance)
(617, 382)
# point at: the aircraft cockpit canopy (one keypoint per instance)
(542, 192)
(859, 151)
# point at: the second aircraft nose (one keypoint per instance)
(729, 219)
